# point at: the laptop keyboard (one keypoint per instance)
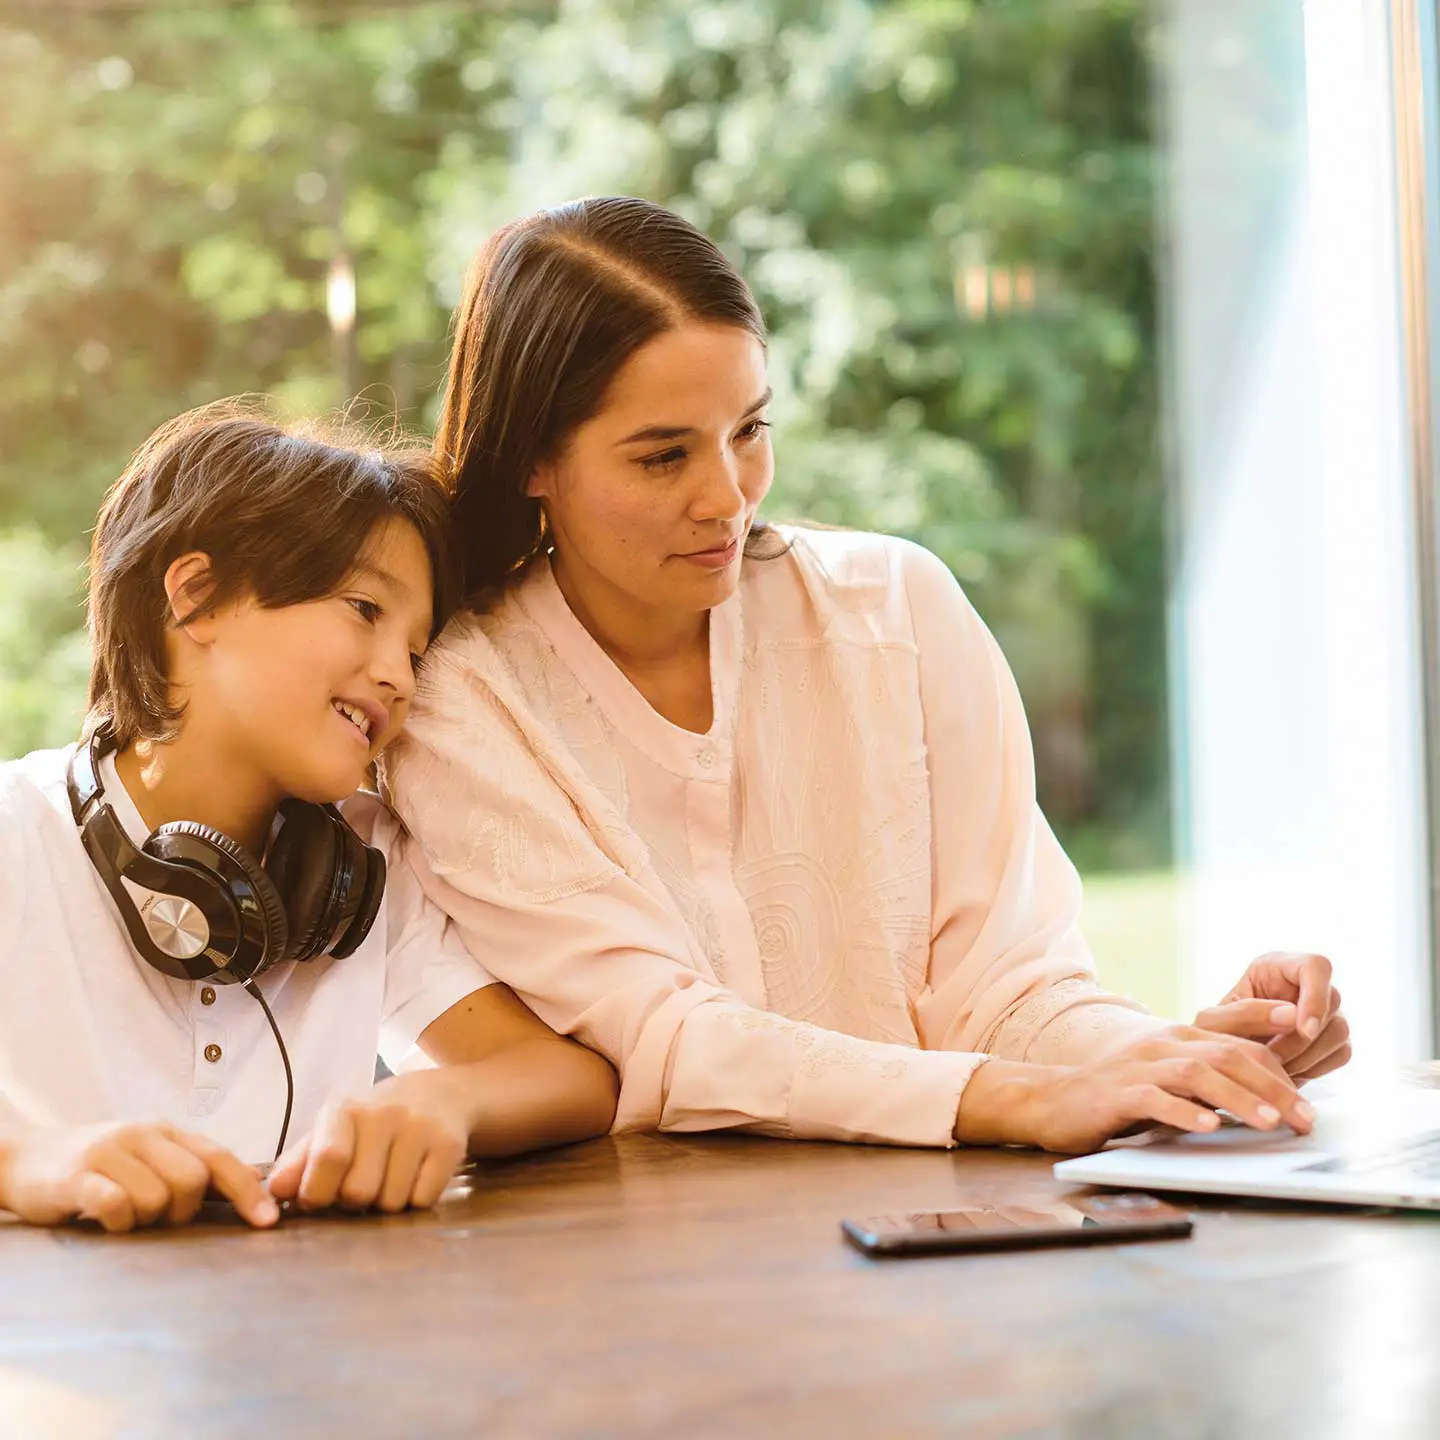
(1420, 1156)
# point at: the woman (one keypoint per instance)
(751, 811)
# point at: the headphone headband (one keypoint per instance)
(213, 912)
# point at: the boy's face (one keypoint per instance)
(304, 697)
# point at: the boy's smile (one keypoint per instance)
(293, 700)
(365, 717)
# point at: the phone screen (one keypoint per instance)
(1085, 1220)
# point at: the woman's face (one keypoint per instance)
(650, 501)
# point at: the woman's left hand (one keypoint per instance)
(1288, 1000)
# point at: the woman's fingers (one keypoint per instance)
(1250, 1019)
(1199, 1080)
(1274, 1022)
(1294, 1051)
(1179, 1077)
(1256, 1068)
(1233, 1074)
(1317, 999)
(1263, 1076)
(1155, 1103)
(1335, 1034)
(1323, 1059)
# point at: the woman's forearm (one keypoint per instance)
(998, 1103)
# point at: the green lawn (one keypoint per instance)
(1132, 922)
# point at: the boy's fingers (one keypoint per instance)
(402, 1170)
(183, 1173)
(440, 1165)
(375, 1135)
(235, 1180)
(99, 1198)
(148, 1194)
(332, 1147)
(284, 1180)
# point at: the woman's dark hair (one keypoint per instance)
(554, 305)
(283, 513)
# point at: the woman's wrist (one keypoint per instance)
(1000, 1103)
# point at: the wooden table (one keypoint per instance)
(672, 1286)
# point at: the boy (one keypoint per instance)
(259, 603)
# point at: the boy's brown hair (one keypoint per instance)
(282, 511)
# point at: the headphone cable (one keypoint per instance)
(254, 989)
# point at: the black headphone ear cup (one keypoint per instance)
(305, 864)
(369, 864)
(274, 940)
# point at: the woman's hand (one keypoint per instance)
(1178, 1077)
(396, 1147)
(123, 1176)
(1288, 1000)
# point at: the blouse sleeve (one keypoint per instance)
(1010, 973)
(581, 929)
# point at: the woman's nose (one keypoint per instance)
(721, 496)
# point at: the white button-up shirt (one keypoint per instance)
(90, 1032)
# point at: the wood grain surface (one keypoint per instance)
(675, 1286)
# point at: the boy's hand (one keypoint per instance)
(124, 1176)
(396, 1147)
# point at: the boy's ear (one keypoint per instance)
(187, 582)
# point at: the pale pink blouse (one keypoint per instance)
(812, 921)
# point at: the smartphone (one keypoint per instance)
(1085, 1220)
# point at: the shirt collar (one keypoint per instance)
(693, 756)
(118, 799)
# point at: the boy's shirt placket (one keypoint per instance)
(210, 1008)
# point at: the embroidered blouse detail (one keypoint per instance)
(812, 920)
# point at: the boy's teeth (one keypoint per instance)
(357, 717)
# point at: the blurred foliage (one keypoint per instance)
(44, 655)
(944, 206)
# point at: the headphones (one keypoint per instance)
(214, 913)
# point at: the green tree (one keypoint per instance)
(44, 652)
(945, 207)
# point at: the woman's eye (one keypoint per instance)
(417, 663)
(367, 610)
(753, 428)
(664, 460)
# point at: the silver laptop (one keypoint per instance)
(1376, 1142)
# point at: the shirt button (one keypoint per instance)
(213, 1053)
(706, 758)
(207, 996)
